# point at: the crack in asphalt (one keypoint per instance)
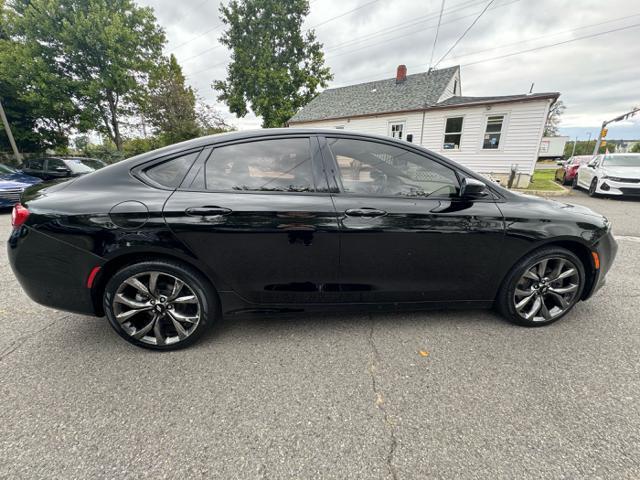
(376, 360)
(17, 343)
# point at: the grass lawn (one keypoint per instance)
(544, 180)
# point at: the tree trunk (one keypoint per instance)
(115, 126)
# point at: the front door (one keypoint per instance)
(406, 235)
(260, 215)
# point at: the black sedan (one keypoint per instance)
(51, 168)
(289, 220)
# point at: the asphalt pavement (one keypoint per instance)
(450, 394)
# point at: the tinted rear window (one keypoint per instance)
(170, 173)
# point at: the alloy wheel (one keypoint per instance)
(547, 289)
(156, 308)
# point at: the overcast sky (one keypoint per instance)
(598, 77)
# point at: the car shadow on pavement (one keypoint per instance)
(97, 334)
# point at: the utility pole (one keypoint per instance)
(7, 129)
(607, 122)
(575, 142)
(588, 142)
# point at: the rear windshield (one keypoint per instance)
(81, 166)
(622, 160)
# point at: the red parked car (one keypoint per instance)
(567, 172)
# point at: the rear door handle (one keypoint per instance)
(365, 212)
(207, 211)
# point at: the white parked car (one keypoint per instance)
(610, 174)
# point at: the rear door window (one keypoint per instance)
(277, 165)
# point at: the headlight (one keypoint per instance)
(614, 179)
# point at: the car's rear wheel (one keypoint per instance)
(542, 288)
(159, 304)
(593, 187)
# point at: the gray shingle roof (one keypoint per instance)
(465, 101)
(416, 92)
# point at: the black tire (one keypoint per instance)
(505, 301)
(592, 188)
(563, 180)
(208, 306)
(574, 182)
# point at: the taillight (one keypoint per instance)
(19, 215)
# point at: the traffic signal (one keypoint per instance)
(604, 132)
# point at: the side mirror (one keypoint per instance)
(63, 170)
(472, 188)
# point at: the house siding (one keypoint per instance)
(449, 89)
(519, 143)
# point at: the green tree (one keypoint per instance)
(37, 102)
(171, 105)
(586, 148)
(635, 148)
(102, 50)
(275, 69)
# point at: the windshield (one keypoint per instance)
(622, 161)
(82, 166)
(95, 164)
(4, 169)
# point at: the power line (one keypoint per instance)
(208, 68)
(520, 52)
(197, 36)
(542, 47)
(435, 40)
(342, 15)
(402, 25)
(464, 33)
(547, 35)
(222, 24)
(413, 32)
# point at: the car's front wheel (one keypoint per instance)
(159, 304)
(542, 288)
(593, 187)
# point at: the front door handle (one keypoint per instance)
(365, 212)
(207, 211)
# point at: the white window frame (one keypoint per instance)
(503, 130)
(444, 134)
(393, 123)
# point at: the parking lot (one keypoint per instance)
(448, 394)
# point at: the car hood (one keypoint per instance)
(560, 207)
(622, 172)
(13, 180)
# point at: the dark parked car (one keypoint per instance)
(567, 172)
(12, 184)
(290, 220)
(50, 168)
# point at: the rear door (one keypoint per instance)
(588, 171)
(35, 167)
(56, 168)
(259, 214)
(406, 236)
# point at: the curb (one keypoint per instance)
(546, 193)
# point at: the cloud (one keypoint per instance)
(597, 77)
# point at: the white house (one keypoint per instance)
(487, 134)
